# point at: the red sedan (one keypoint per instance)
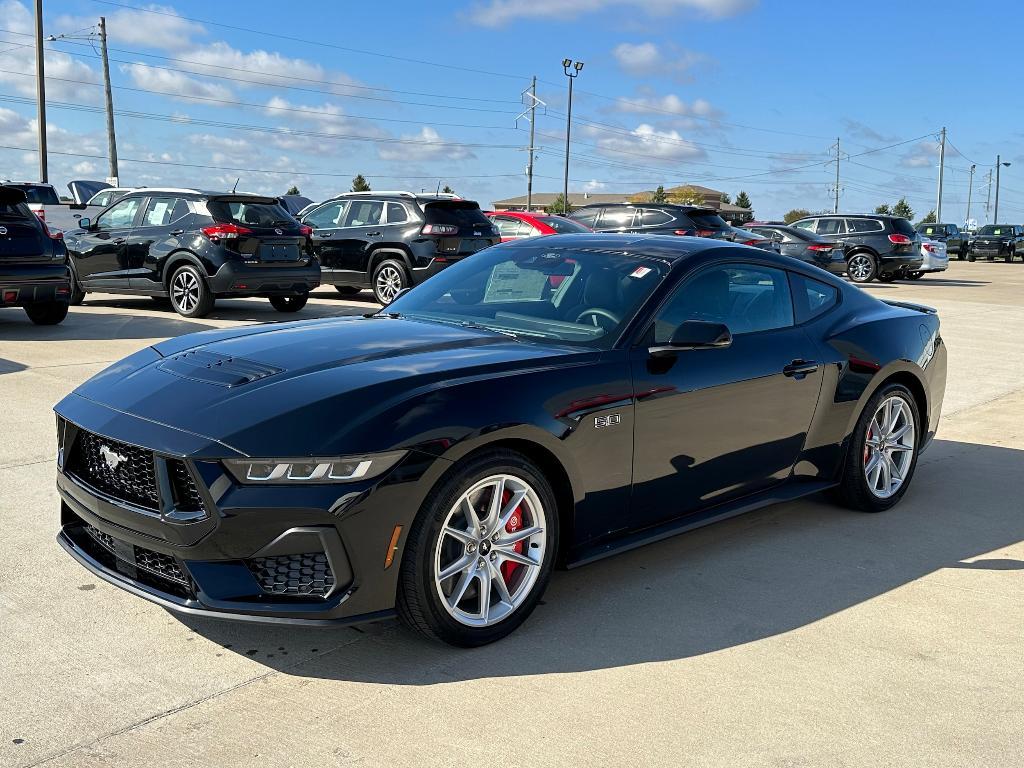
(515, 225)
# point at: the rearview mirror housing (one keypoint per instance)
(694, 334)
(85, 222)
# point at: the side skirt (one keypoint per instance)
(777, 495)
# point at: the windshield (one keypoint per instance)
(38, 194)
(931, 229)
(569, 295)
(995, 229)
(255, 214)
(562, 226)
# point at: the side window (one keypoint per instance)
(120, 216)
(745, 297)
(652, 217)
(616, 218)
(326, 216)
(162, 211)
(863, 226)
(807, 224)
(586, 216)
(397, 213)
(812, 298)
(507, 226)
(830, 227)
(364, 213)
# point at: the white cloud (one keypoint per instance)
(430, 147)
(667, 104)
(646, 59)
(594, 186)
(262, 67)
(648, 141)
(165, 30)
(924, 155)
(495, 13)
(175, 84)
(84, 167)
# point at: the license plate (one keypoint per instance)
(278, 252)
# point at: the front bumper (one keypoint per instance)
(238, 278)
(314, 555)
(34, 284)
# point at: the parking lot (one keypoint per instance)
(801, 634)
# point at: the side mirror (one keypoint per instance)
(85, 222)
(694, 334)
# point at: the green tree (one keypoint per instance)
(448, 190)
(743, 201)
(883, 208)
(359, 184)
(726, 200)
(293, 190)
(796, 213)
(659, 196)
(686, 195)
(557, 205)
(929, 218)
(902, 208)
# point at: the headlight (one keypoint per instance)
(344, 469)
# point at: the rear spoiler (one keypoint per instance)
(910, 305)
(242, 197)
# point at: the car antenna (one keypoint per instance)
(235, 185)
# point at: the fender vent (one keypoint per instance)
(209, 368)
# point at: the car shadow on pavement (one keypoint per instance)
(78, 326)
(10, 366)
(238, 310)
(737, 582)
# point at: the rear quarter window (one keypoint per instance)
(811, 298)
(15, 211)
(865, 226)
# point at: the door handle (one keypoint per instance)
(373, 234)
(800, 368)
(177, 232)
(117, 240)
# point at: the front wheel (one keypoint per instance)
(861, 268)
(389, 279)
(47, 313)
(190, 295)
(883, 451)
(480, 553)
(288, 303)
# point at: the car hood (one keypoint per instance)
(306, 387)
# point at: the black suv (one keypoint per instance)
(390, 241)
(950, 234)
(33, 264)
(194, 247)
(877, 246)
(995, 240)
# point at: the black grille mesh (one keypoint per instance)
(308, 574)
(133, 478)
(157, 563)
(186, 494)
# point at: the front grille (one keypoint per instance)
(156, 563)
(308, 574)
(183, 487)
(117, 469)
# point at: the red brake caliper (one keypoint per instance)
(514, 524)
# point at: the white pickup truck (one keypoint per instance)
(42, 199)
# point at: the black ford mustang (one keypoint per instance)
(546, 401)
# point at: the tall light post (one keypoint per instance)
(970, 188)
(572, 70)
(41, 94)
(995, 219)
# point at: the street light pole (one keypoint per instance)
(572, 70)
(942, 166)
(41, 94)
(995, 219)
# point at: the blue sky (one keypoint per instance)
(731, 94)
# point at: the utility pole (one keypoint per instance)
(575, 67)
(529, 166)
(835, 208)
(970, 189)
(942, 165)
(41, 94)
(111, 141)
(988, 198)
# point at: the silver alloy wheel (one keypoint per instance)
(489, 554)
(389, 283)
(859, 267)
(185, 290)
(889, 447)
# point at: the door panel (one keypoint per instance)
(163, 219)
(716, 424)
(102, 253)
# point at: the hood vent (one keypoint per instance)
(209, 368)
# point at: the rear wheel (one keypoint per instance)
(288, 303)
(77, 294)
(47, 313)
(348, 290)
(190, 295)
(389, 279)
(480, 553)
(883, 451)
(861, 267)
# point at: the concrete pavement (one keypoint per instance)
(801, 635)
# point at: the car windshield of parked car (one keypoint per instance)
(38, 194)
(994, 229)
(568, 295)
(562, 226)
(705, 220)
(257, 214)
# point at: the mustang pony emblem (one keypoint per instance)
(112, 459)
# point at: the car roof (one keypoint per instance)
(674, 206)
(667, 248)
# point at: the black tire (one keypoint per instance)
(853, 490)
(914, 275)
(77, 294)
(970, 256)
(289, 303)
(194, 297)
(887, 277)
(47, 313)
(389, 277)
(862, 267)
(348, 290)
(418, 602)
(1008, 257)
(161, 301)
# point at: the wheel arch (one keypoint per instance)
(175, 260)
(909, 379)
(385, 252)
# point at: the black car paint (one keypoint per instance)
(33, 264)
(372, 384)
(950, 234)
(891, 258)
(138, 259)
(1006, 245)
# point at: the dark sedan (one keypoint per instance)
(804, 245)
(547, 401)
